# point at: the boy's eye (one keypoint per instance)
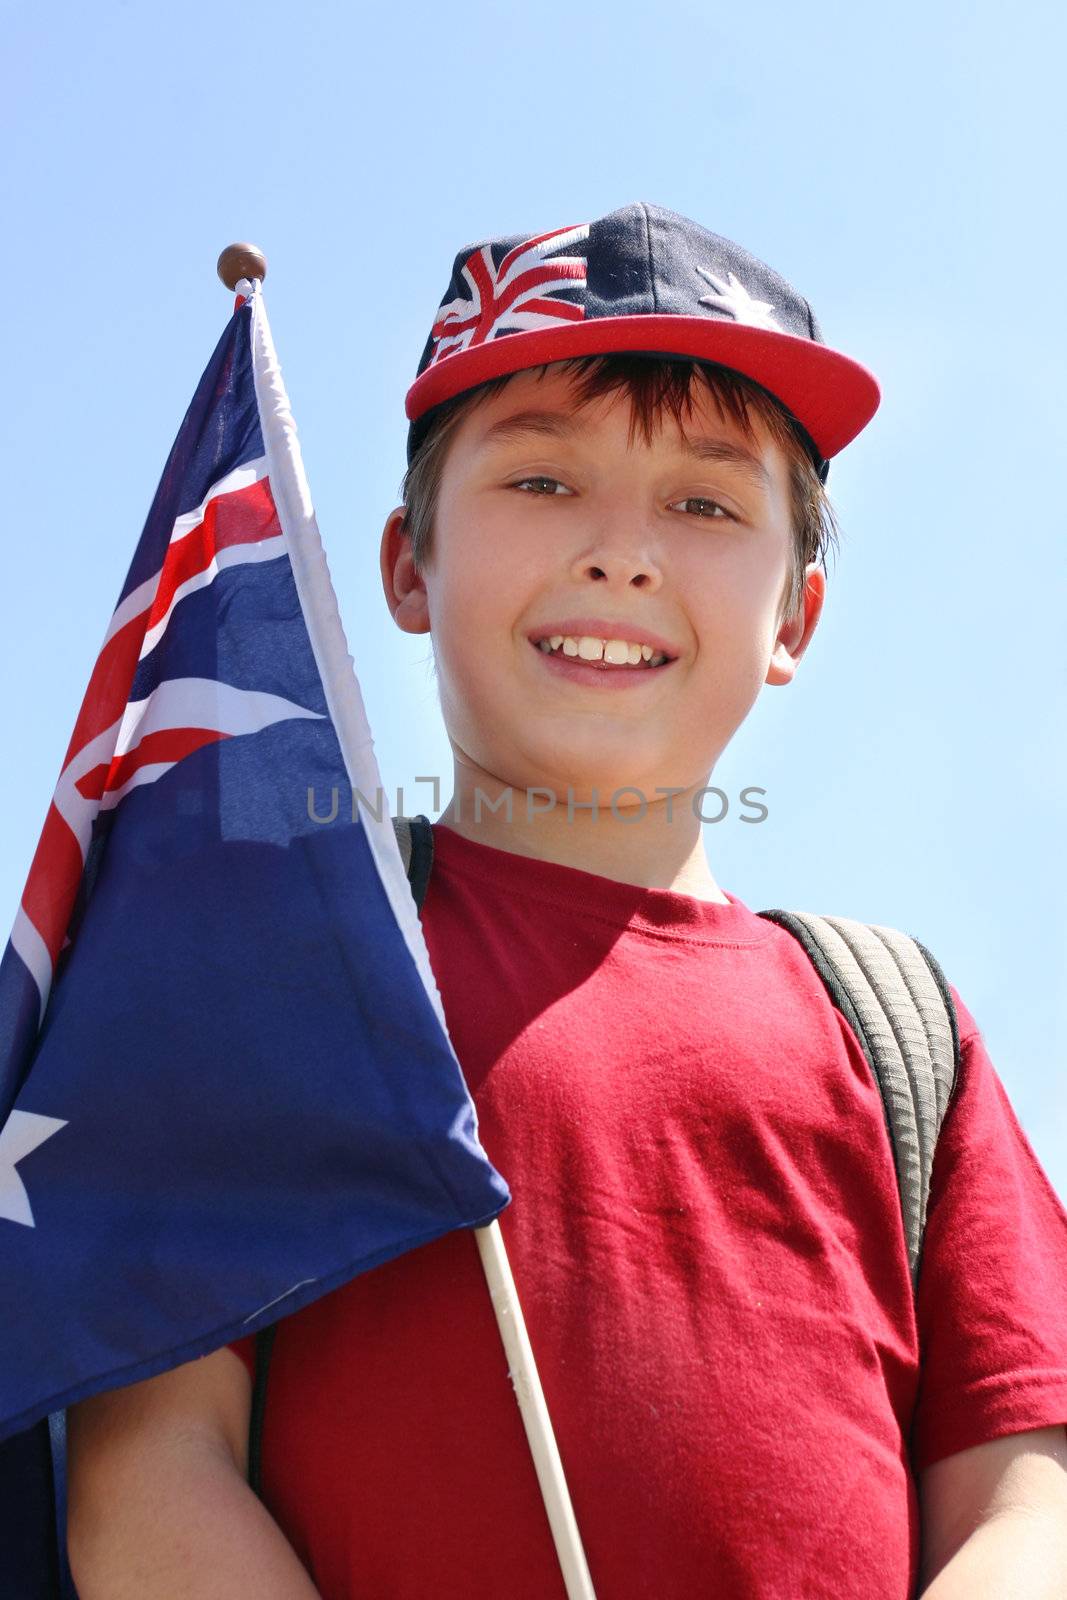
(709, 508)
(539, 483)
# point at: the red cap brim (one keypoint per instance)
(833, 396)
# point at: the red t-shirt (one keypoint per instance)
(707, 1240)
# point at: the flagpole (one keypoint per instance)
(240, 266)
(522, 1369)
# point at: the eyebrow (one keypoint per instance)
(562, 425)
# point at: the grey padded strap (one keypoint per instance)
(895, 996)
(402, 829)
(414, 836)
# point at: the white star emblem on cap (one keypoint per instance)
(22, 1132)
(735, 299)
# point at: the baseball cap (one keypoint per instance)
(646, 281)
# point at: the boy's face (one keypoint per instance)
(558, 524)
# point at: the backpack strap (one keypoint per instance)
(414, 836)
(895, 997)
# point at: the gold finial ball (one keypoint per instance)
(239, 261)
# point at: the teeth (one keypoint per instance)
(615, 652)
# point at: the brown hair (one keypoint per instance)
(654, 385)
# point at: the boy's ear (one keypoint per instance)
(796, 631)
(405, 591)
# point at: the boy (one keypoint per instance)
(614, 528)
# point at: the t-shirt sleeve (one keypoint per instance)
(992, 1300)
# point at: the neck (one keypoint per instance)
(655, 844)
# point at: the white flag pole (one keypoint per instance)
(242, 268)
(535, 1417)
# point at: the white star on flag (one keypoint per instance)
(734, 298)
(22, 1132)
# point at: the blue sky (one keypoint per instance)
(902, 167)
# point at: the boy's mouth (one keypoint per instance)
(603, 651)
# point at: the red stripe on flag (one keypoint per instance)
(479, 272)
(109, 685)
(167, 744)
(531, 244)
(53, 880)
(452, 325)
(565, 310)
(551, 272)
(243, 516)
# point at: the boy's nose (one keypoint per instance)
(618, 568)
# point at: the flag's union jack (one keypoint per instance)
(122, 741)
(521, 292)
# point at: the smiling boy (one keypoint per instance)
(604, 615)
(613, 532)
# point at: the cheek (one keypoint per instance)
(480, 588)
(742, 585)
(471, 625)
(734, 613)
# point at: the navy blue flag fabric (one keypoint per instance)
(225, 1081)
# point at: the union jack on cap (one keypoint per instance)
(642, 280)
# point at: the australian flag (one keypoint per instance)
(225, 1082)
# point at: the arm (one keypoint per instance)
(158, 1505)
(994, 1520)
